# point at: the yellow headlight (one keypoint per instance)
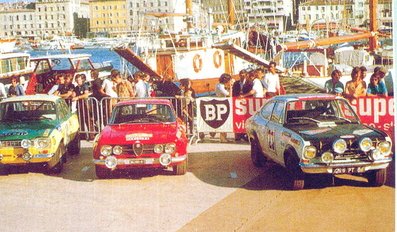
(339, 146)
(384, 148)
(310, 152)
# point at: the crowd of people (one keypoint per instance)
(357, 87)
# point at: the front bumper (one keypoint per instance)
(141, 162)
(25, 157)
(360, 167)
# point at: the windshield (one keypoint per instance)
(27, 111)
(320, 110)
(142, 113)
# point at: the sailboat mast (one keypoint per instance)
(373, 24)
(189, 12)
(230, 12)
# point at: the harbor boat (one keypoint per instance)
(45, 69)
(202, 57)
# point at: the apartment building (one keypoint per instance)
(18, 23)
(109, 17)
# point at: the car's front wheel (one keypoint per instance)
(102, 173)
(59, 166)
(74, 145)
(180, 169)
(257, 157)
(377, 178)
(297, 177)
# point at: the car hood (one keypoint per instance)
(139, 132)
(27, 129)
(349, 131)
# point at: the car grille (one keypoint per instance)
(10, 143)
(147, 149)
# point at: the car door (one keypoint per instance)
(273, 132)
(261, 123)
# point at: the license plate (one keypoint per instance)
(346, 170)
(137, 161)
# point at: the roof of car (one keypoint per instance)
(36, 97)
(146, 101)
(305, 96)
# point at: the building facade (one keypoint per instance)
(18, 23)
(108, 17)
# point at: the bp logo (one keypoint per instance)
(215, 112)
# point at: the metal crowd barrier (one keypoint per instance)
(94, 115)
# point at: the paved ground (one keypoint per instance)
(222, 191)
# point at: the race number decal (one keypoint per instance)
(270, 139)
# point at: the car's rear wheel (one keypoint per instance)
(297, 177)
(103, 173)
(377, 178)
(257, 157)
(74, 145)
(180, 169)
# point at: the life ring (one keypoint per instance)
(182, 43)
(197, 63)
(217, 58)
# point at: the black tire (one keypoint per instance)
(180, 169)
(102, 173)
(74, 146)
(377, 178)
(297, 177)
(257, 157)
(59, 166)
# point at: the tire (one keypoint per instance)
(102, 173)
(297, 177)
(377, 178)
(57, 169)
(74, 146)
(257, 157)
(180, 169)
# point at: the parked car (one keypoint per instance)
(37, 130)
(317, 134)
(144, 133)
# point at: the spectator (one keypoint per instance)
(271, 81)
(375, 87)
(237, 88)
(248, 84)
(140, 86)
(188, 96)
(381, 71)
(15, 88)
(356, 87)
(65, 88)
(363, 70)
(123, 87)
(257, 87)
(59, 78)
(98, 93)
(223, 89)
(80, 95)
(333, 85)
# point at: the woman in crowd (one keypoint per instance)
(375, 87)
(356, 87)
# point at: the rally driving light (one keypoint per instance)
(169, 148)
(375, 155)
(310, 152)
(327, 157)
(384, 148)
(158, 148)
(165, 159)
(339, 146)
(25, 143)
(42, 143)
(27, 156)
(111, 162)
(117, 150)
(106, 150)
(366, 144)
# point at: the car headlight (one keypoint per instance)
(384, 148)
(310, 152)
(106, 150)
(165, 159)
(170, 148)
(27, 156)
(42, 143)
(327, 157)
(375, 154)
(158, 148)
(339, 146)
(366, 144)
(117, 150)
(26, 143)
(111, 162)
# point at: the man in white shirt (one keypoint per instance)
(140, 86)
(271, 81)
